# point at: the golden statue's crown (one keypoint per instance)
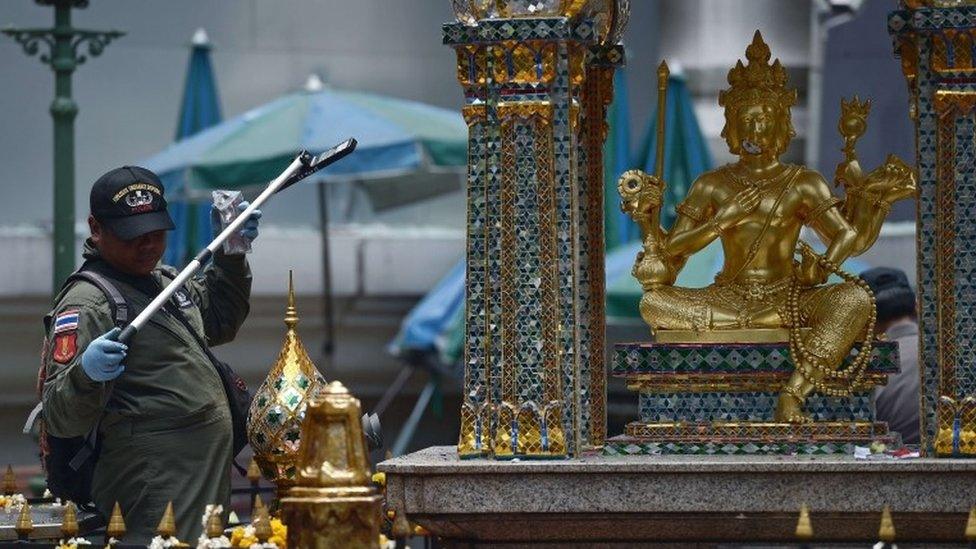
(758, 81)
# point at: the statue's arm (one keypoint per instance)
(822, 213)
(693, 230)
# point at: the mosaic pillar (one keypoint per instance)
(935, 41)
(537, 78)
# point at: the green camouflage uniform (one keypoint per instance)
(166, 431)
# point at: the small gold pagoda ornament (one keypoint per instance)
(804, 529)
(886, 532)
(9, 482)
(69, 524)
(25, 524)
(116, 524)
(274, 422)
(335, 503)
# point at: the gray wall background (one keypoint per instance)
(129, 97)
(859, 61)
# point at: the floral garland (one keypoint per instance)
(73, 543)
(243, 536)
(12, 502)
(159, 543)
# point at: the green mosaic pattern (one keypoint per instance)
(665, 358)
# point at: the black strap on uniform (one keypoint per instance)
(120, 307)
(120, 313)
(178, 314)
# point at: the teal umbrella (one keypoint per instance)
(617, 227)
(200, 110)
(396, 137)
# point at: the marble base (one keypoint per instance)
(676, 498)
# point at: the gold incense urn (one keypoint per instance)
(274, 421)
(335, 504)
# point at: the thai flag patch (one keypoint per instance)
(66, 322)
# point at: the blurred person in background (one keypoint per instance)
(897, 402)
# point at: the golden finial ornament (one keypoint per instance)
(262, 524)
(971, 526)
(167, 525)
(215, 526)
(804, 529)
(116, 523)
(69, 524)
(274, 422)
(258, 503)
(25, 525)
(886, 532)
(9, 482)
(334, 481)
(253, 471)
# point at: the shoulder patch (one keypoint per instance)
(67, 321)
(65, 347)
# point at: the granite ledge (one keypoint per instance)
(443, 460)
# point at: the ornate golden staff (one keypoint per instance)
(662, 95)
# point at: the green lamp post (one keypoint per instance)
(63, 43)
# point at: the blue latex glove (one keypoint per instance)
(102, 359)
(250, 228)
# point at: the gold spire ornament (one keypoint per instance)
(335, 503)
(69, 524)
(274, 422)
(971, 526)
(215, 527)
(253, 472)
(886, 532)
(167, 524)
(116, 524)
(9, 482)
(25, 525)
(262, 524)
(804, 529)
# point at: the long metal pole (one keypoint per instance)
(328, 345)
(63, 111)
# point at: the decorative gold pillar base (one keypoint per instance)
(326, 518)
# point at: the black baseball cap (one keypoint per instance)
(129, 202)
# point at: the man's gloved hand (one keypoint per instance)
(102, 359)
(250, 228)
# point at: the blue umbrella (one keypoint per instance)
(200, 110)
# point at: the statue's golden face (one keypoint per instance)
(757, 129)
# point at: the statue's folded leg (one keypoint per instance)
(836, 316)
(674, 308)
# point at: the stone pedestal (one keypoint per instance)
(605, 500)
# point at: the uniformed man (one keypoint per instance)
(165, 425)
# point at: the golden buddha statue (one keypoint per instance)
(757, 207)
